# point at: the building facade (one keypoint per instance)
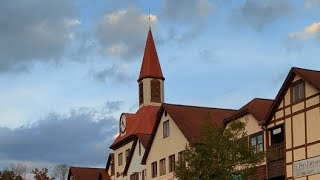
(293, 127)
(151, 140)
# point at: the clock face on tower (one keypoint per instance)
(123, 124)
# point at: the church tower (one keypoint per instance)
(151, 80)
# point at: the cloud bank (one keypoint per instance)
(258, 14)
(34, 31)
(80, 137)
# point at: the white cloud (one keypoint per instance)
(116, 73)
(71, 22)
(34, 31)
(309, 32)
(311, 3)
(123, 32)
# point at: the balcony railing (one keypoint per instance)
(276, 152)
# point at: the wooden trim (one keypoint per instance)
(307, 98)
(291, 119)
(267, 147)
(301, 146)
(295, 113)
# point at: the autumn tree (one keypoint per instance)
(41, 174)
(18, 169)
(9, 175)
(222, 153)
(60, 172)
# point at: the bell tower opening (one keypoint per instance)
(155, 91)
(140, 93)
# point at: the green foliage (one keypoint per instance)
(223, 153)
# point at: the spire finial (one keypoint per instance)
(149, 18)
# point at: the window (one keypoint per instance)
(143, 175)
(277, 135)
(162, 167)
(112, 166)
(120, 160)
(127, 155)
(166, 129)
(172, 162)
(139, 148)
(297, 91)
(181, 156)
(140, 93)
(155, 91)
(154, 169)
(134, 176)
(256, 141)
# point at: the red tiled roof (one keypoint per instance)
(257, 107)
(140, 123)
(189, 120)
(110, 159)
(85, 173)
(144, 138)
(150, 65)
(310, 76)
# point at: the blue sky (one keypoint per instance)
(69, 68)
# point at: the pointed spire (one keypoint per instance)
(150, 67)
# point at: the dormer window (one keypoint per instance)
(166, 129)
(297, 91)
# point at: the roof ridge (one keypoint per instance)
(85, 167)
(265, 99)
(143, 134)
(299, 68)
(199, 106)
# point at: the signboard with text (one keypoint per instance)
(306, 167)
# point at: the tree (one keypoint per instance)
(41, 175)
(9, 175)
(18, 169)
(222, 153)
(61, 171)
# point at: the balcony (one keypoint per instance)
(275, 160)
(276, 152)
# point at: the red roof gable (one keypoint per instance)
(84, 173)
(189, 120)
(257, 107)
(310, 76)
(140, 123)
(150, 65)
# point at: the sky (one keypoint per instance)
(68, 69)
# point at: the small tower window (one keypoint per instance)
(297, 91)
(141, 93)
(166, 129)
(155, 91)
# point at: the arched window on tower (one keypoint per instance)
(140, 93)
(155, 91)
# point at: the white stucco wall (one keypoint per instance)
(135, 165)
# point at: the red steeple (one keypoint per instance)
(150, 67)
